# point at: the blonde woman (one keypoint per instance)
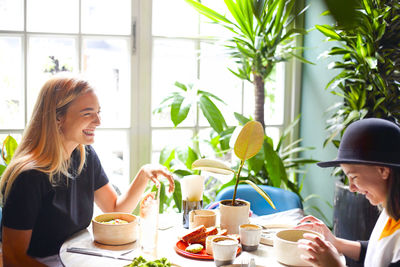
(55, 176)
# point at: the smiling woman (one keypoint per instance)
(369, 154)
(49, 187)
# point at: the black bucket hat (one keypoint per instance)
(369, 141)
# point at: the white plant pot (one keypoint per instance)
(231, 217)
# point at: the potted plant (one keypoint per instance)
(368, 84)
(276, 165)
(248, 143)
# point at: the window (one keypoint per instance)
(132, 51)
(181, 52)
(87, 36)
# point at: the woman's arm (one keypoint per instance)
(349, 248)
(15, 246)
(108, 201)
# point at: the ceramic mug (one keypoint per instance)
(250, 236)
(224, 250)
(286, 247)
(207, 218)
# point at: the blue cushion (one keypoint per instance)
(282, 199)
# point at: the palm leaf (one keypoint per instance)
(261, 192)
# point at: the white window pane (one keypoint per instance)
(204, 138)
(53, 16)
(155, 157)
(217, 79)
(11, 15)
(174, 18)
(112, 147)
(173, 138)
(274, 133)
(106, 17)
(275, 94)
(173, 60)
(106, 64)
(42, 56)
(11, 83)
(248, 99)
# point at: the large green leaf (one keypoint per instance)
(186, 155)
(328, 31)
(177, 195)
(256, 163)
(212, 114)
(211, 14)
(166, 156)
(276, 169)
(241, 119)
(179, 110)
(240, 18)
(261, 192)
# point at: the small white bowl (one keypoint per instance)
(115, 234)
(285, 246)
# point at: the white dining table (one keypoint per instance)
(167, 239)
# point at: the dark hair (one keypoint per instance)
(393, 196)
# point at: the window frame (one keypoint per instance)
(140, 130)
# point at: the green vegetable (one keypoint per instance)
(142, 262)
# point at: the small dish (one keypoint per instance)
(115, 234)
(202, 255)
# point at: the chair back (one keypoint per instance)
(282, 199)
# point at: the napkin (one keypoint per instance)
(192, 187)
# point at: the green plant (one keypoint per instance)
(180, 102)
(7, 152)
(368, 81)
(263, 35)
(278, 165)
(247, 145)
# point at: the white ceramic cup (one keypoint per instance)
(224, 250)
(286, 246)
(250, 236)
(202, 217)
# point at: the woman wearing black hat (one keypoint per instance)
(369, 154)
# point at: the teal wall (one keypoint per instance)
(314, 102)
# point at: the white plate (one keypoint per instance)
(269, 231)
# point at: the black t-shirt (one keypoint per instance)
(54, 212)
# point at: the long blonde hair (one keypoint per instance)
(41, 147)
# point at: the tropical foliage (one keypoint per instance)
(369, 66)
(263, 35)
(275, 164)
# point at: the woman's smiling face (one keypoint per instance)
(80, 121)
(368, 180)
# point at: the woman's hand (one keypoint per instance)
(107, 200)
(153, 172)
(313, 224)
(318, 252)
